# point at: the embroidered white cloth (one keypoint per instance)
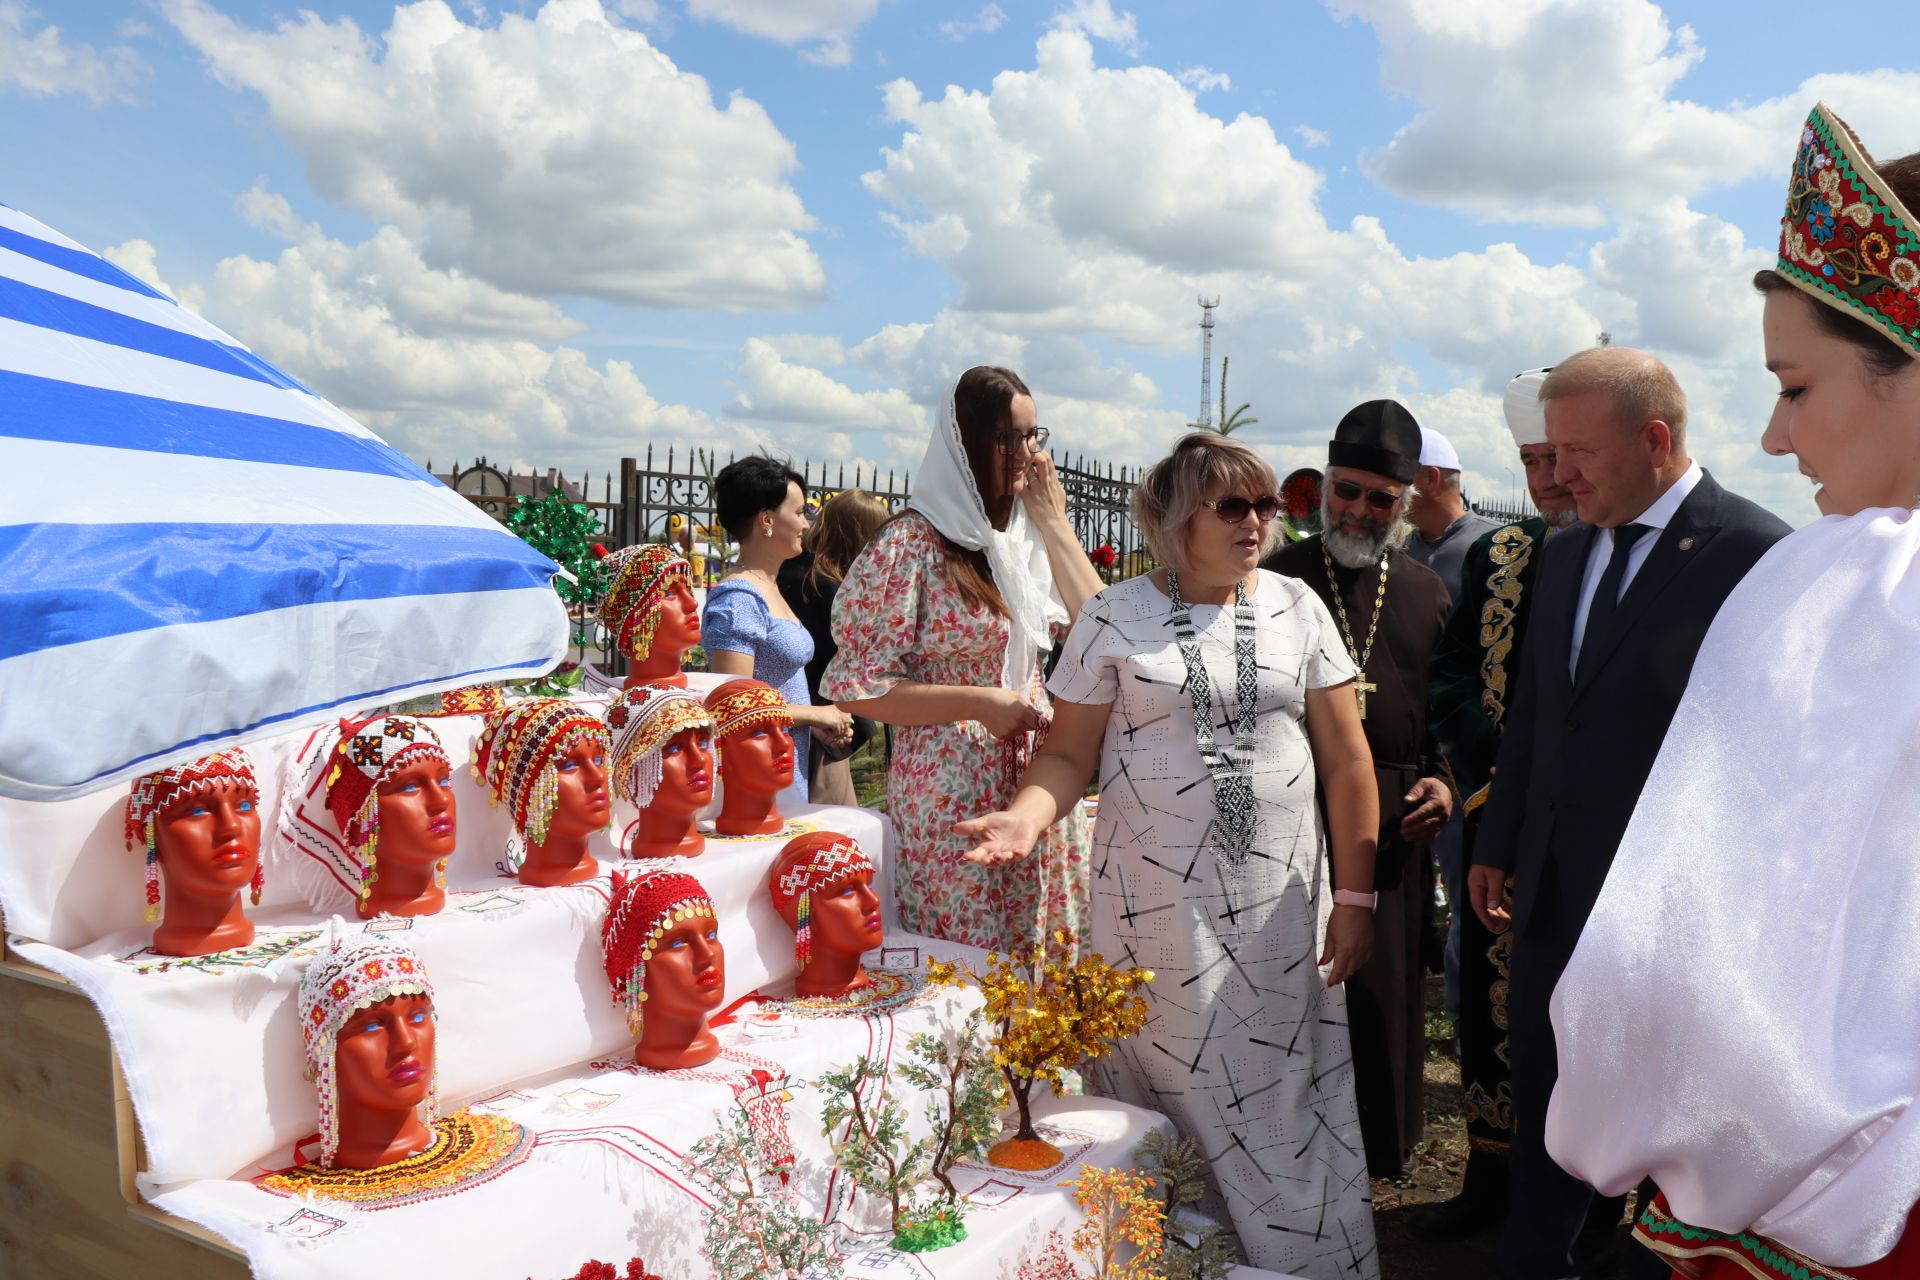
(945, 493)
(1741, 1019)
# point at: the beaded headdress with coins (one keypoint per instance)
(638, 579)
(154, 793)
(517, 759)
(353, 972)
(643, 720)
(740, 705)
(643, 909)
(1846, 239)
(825, 860)
(368, 753)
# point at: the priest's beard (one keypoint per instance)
(1350, 547)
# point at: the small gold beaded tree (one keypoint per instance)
(1051, 1014)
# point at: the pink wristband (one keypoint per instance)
(1351, 898)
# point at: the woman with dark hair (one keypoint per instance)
(941, 624)
(1741, 1019)
(748, 628)
(809, 583)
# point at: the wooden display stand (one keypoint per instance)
(69, 1149)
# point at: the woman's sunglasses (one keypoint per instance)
(1378, 499)
(1234, 510)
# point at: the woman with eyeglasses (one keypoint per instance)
(941, 623)
(1213, 695)
(748, 628)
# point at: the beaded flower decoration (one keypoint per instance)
(740, 705)
(638, 579)
(154, 793)
(367, 753)
(1846, 239)
(822, 860)
(642, 721)
(644, 907)
(517, 758)
(353, 972)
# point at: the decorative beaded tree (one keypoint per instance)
(1050, 1014)
(758, 1227)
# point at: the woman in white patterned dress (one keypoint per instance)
(1210, 865)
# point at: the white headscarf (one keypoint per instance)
(945, 493)
(1741, 1018)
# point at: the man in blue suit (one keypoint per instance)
(1622, 604)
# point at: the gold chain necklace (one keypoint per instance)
(1360, 686)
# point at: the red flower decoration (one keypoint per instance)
(1103, 556)
(1898, 306)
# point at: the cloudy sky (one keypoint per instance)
(554, 233)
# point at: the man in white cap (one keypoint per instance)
(1470, 683)
(1443, 528)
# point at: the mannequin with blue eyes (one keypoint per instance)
(580, 810)
(686, 981)
(383, 1059)
(209, 848)
(417, 821)
(665, 828)
(755, 766)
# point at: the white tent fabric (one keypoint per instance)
(195, 550)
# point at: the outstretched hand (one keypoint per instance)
(998, 837)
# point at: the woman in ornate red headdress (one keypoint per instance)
(1741, 1020)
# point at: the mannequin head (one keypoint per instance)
(663, 766)
(753, 727)
(546, 760)
(199, 824)
(650, 612)
(366, 1016)
(661, 945)
(390, 789)
(822, 886)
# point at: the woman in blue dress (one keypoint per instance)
(748, 629)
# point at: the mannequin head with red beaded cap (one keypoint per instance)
(753, 728)
(546, 760)
(661, 947)
(390, 789)
(650, 611)
(199, 825)
(367, 1020)
(822, 886)
(663, 766)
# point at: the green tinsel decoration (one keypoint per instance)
(565, 533)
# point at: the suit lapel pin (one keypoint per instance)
(1686, 544)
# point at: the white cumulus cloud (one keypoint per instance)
(1201, 79)
(827, 25)
(990, 18)
(554, 154)
(35, 59)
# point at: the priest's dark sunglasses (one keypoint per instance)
(1234, 510)
(1013, 444)
(1378, 499)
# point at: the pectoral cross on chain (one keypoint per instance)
(1359, 654)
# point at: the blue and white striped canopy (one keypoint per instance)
(196, 550)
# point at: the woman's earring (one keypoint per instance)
(768, 531)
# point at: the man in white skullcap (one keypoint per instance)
(1443, 528)
(1470, 683)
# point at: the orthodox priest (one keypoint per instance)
(1472, 680)
(1390, 612)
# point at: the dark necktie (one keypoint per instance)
(1606, 599)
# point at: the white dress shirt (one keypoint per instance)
(1655, 518)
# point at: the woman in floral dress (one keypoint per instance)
(941, 624)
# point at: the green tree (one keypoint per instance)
(873, 1151)
(1230, 423)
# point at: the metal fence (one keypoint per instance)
(670, 499)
